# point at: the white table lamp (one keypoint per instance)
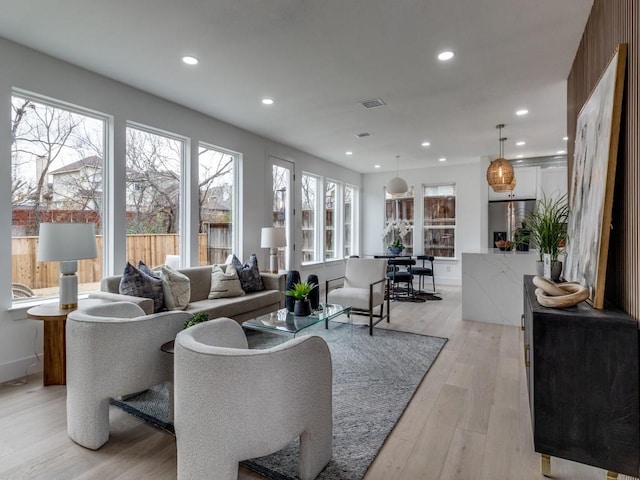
(67, 243)
(273, 238)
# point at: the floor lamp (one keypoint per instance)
(67, 243)
(273, 238)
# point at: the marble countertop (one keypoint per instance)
(495, 251)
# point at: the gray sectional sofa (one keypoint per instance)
(250, 305)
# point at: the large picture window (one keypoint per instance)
(440, 220)
(399, 220)
(331, 220)
(310, 189)
(57, 155)
(216, 180)
(350, 217)
(153, 163)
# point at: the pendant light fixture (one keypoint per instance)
(500, 175)
(397, 185)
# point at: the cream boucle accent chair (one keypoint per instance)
(233, 403)
(364, 284)
(113, 349)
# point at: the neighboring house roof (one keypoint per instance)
(92, 161)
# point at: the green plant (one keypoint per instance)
(547, 226)
(397, 243)
(300, 290)
(197, 318)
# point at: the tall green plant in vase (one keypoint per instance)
(547, 226)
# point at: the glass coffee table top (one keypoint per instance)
(286, 322)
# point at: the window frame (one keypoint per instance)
(453, 227)
(105, 208)
(235, 197)
(318, 223)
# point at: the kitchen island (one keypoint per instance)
(492, 284)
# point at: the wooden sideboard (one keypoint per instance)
(583, 376)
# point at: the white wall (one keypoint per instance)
(29, 70)
(471, 210)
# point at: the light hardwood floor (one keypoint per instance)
(468, 420)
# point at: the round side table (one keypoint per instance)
(54, 362)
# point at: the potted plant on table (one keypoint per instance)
(547, 230)
(300, 291)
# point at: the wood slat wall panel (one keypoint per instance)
(612, 22)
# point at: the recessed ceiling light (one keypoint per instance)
(446, 55)
(442, 159)
(189, 60)
(425, 144)
(520, 143)
(561, 152)
(519, 156)
(522, 111)
(348, 152)
(267, 101)
(376, 166)
(565, 138)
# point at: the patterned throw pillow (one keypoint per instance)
(177, 288)
(225, 284)
(249, 274)
(138, 284)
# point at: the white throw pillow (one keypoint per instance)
(177, 288)
(225, 284)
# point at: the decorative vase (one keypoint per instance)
(314, 296)
(395, 250)
(302, 308)
(293, 276)
(556, 271)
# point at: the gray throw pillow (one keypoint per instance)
(138, 284)
(249, 274)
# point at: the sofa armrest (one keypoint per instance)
(275, 281)
(145, 304)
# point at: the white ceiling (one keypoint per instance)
(319, 58)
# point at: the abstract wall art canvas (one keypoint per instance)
(592, 180)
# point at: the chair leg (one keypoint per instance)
(371, 321)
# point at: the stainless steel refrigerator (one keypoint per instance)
(506, 217)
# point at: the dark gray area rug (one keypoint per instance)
(374, 378)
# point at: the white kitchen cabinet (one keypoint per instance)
(526, 185)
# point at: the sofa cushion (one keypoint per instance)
(225, 284)
(249, 274)
(138, 284)
(176, 287)
(235, 307)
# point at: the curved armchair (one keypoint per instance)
(363, 288)
(232, 403)
(113, 349)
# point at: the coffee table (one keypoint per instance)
(284, 321)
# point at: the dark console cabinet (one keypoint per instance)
(584, 382)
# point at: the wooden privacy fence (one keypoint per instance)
(152, 249)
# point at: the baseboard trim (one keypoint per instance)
(19, 368)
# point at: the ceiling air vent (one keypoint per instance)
(363, 134)
(377, 102)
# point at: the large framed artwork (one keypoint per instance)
(592, 180)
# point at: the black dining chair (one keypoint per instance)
(399, 272)
(423, 270)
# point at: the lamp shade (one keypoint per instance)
(505, 188)
(273, 237)
(500, 174)
(66, 241)
(397, 185)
